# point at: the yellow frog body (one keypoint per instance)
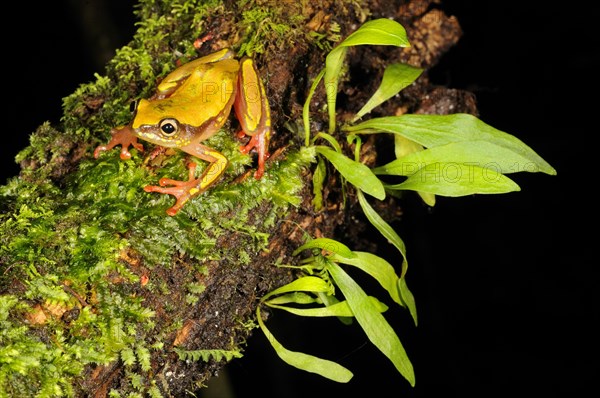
(191, 104)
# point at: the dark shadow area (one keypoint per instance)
(55, 47)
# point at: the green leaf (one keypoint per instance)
(377, 329)
(319, 176)
(428, 198)
(356, 173)
(333, 69)
(308, 363)
(455, 179)
(384, 228)
(328, 300)
(396, 77)
(330, 139)
(486, 142)
(378, 268)
(340, 309)
(305, 283)
(478, 153)
(327, 244)
(306, 107)
(408, 298)
(403, 147)
(382, 31)
(294, 297)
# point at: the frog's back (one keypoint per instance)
(207, 93)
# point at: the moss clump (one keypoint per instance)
(85, 262)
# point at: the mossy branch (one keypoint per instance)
(101, 291)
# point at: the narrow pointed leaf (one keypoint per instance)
(384, 228)
(396, 77)
(454, 179)
(382, 31)
(385, 274)
(327, 244)
(428, 198)
(309, 363)
(437, 130)
(377, 329)
(356, 173)
(330, 139)
(306, 283)
(293, 297)
(408, 299)
(404, 146)
(480, 153)
(333, 70)
(331, 300)
(318, 178)
(340, 309)
(378, 268)
(306, 107)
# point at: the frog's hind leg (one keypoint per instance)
(174, 79)
(185, 190)
(253, 112)
(260, 142)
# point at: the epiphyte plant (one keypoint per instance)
(447, 155)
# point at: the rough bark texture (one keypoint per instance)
(232, 291)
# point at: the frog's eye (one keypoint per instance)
(169, 127)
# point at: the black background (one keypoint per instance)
(505, 284)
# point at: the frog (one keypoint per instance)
(191, 104)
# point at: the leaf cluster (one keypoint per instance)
(449, 155)
(313, 294)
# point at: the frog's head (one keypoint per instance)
(157, 122)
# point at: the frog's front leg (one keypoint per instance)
(253, 112)
(123, 136)
(185, 190)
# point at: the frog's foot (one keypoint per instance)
(260, 141)
(123, 136)
(182, 190)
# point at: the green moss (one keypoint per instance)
(206, 355)
(69, 246)
(275, 24)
